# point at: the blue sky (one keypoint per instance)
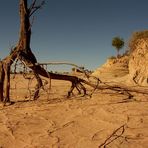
(78, 31)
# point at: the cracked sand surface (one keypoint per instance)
(79, 122)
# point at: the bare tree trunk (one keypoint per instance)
(7, 82)
(38, 86)
(26, 54)
(1, 81)
(23, 52)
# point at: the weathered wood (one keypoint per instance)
(22, 51)
(7, 82)
(1, 81)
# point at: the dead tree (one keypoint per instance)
(1, 81)
(22, 51)
(25, 54)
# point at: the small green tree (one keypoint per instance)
(118, 43)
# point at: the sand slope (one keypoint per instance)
(114, 70)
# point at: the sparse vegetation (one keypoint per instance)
(112, 57)
(135, 37)
(118, 43)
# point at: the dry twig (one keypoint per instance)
(114, 136)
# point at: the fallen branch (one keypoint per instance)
(114, 136)
(65, 63)
(123, 89)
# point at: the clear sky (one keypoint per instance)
(78, 31)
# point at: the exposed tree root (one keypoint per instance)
(114, 136)
(23, 52)
(78, 87)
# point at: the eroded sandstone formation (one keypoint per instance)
(138, 63)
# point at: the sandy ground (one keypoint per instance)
(53, 121)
